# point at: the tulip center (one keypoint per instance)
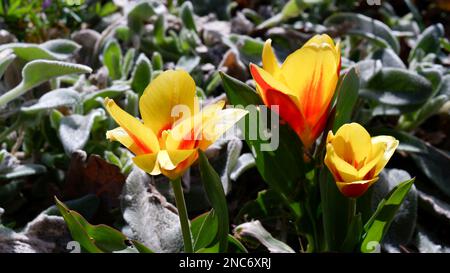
(162, 138)
(356, 164)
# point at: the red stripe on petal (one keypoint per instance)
(259, 81)
(168, 126)
(354, 190)
(287, 110)
(318, 127)
(145, 149)
(190, 140)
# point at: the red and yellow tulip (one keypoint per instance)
(355, 159)
(303, 86)
(173, 127)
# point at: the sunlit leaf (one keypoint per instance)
(378, 224)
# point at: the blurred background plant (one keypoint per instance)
(53, 123)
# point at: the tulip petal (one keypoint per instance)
(353, 144)
(168, 160)
(368, 170)
(141, 135)
(311, 73)
(318, 127)
(341, 170)
(266, 82)
(148, 163)
(219, 123)
(178, 156)
(391, 144)
(184, 135)
(167, 99)
(269, 60)
(119, 134)
(355, 189)
(319, 40)
(181, 159)
(289, 112)
(203, 129)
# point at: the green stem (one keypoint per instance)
(351, 210)
(17, 91)
(182, 213)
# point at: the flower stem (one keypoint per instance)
(17, 91)
(182, 213)
(351, 211)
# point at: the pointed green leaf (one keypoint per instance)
(280, 163)
(216, 196)
(347, 96)
(378, 224)
(95, 238)
(204, 230)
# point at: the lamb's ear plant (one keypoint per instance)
(39, 71)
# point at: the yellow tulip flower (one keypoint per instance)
(173, 127)
(355, 159)
(303, 86)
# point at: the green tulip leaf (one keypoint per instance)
(95, 238)
(204, 230)
(282, 166)
(347, 93)
(216, 196)
(378, 224)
